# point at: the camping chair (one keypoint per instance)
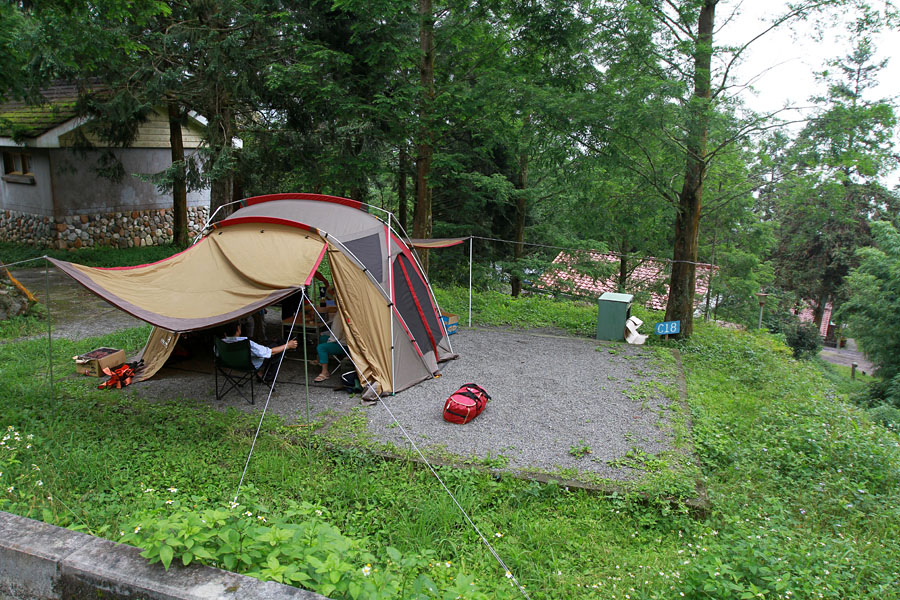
(233, 362)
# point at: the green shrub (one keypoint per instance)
(296, 548)
(887, 415)
(804, 340)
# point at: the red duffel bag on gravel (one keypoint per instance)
(465, 404)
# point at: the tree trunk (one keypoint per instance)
(623, 268)
(521, 208)
(179, 186)
(422, 224)
(221, 187)
(401, 186)
(680, 306)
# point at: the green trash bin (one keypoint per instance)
(612, 312)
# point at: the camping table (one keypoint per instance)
(314, 326)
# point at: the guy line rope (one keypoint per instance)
(383, 403)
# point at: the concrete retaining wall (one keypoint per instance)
(43, 562)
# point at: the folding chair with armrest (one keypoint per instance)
(233, 361)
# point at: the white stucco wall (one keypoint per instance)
(79, 190)
(34, 199)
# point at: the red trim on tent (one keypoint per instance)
(408, 254)
(419, 307)
(273, 220)
(320, 197)
(312, 273)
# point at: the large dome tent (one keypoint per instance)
(271, 248)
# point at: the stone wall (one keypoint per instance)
(123, 230)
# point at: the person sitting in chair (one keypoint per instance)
(330, 345)
(259, 354)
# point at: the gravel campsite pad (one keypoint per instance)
(557, 403)
(560, 404)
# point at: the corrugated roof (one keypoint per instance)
(650, 276)
(30, 120)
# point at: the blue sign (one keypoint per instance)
(667, 328)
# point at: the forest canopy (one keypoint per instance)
(612, 126)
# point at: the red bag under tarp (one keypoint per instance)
(465, 404)
(119, 377)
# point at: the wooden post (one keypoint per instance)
(853, 370)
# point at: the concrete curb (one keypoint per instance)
(44, 562)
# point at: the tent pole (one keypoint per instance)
(471, 241)
(391, 288)
(49, 329)
(209, 220)
(306, 379)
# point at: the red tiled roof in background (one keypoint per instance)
(807, 313)
(646, 277)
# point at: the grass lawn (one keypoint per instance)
(804, 488)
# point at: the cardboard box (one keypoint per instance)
(451, 322)
(92, 363)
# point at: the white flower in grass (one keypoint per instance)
(508, 575)
(169, 501)
(261, 518)
(137, 529)
(498, 535)
(173, 490)
(30, 436)
(121, 533)
(28, 446)
(447, 564)
(149, 490)
(367, 570)
(318, 513)
(39, 482)
(34, 467)
(248, 514)
(233, 504)
(10, 489)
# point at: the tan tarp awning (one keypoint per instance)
(435, 242)
(232, 272)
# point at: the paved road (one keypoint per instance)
(76, 312)
(847, 356)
